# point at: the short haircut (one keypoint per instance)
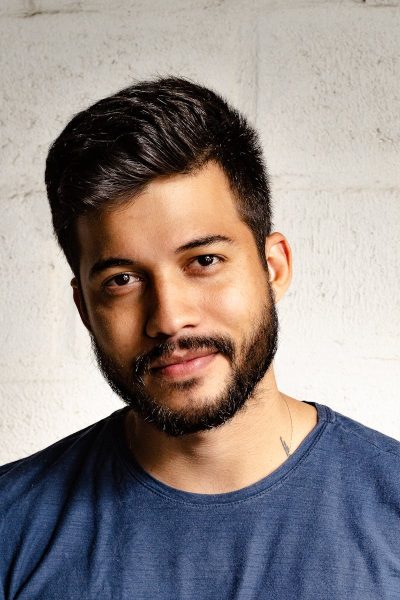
(110, 151)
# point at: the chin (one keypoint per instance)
(190, 395)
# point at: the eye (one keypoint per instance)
(207, 260)
(122, 279)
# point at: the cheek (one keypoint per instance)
(116, 331)
(237, 304)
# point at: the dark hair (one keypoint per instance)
(114, 148)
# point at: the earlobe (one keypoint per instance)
(279, 260)
(80, 303)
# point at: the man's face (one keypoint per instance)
(178, 302)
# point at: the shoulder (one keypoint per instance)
(53, 488)
(56, 465)
(359, 457)
(364, 438)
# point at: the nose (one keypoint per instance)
(172, 307)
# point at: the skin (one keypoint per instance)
(170, 294)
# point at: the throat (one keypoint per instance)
(238, 454)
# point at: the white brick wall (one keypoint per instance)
(321, 81)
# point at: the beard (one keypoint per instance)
(249, 363)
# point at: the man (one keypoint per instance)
(210, 483)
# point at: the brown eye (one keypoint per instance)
(206, 260)
(121, 279)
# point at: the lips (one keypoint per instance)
(182, 364)
(176, 359)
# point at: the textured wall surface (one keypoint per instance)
(321, 82)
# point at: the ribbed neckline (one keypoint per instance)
(325, 415)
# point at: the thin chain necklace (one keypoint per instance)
(288, 449)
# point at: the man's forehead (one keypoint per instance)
(170, 211)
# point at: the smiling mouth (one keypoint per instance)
(184, 367)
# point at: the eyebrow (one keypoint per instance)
(107, 263)
(117, 261)
(206, 240)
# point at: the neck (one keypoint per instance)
(247, 448)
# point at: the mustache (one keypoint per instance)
(222, 344)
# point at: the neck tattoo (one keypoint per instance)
(287, 448)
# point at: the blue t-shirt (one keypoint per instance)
(80, 520)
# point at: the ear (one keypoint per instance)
(279, 259)
(80, 303)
